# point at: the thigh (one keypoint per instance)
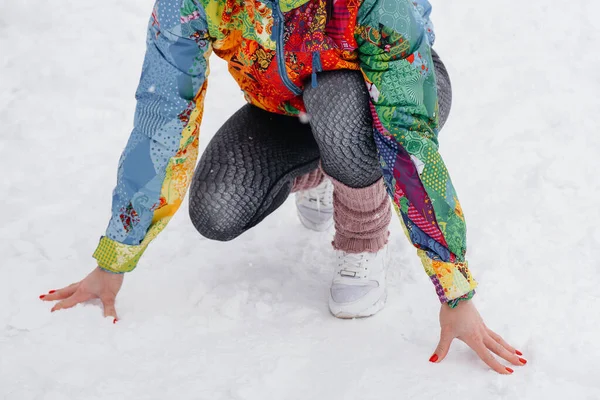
(247, 171)
(341, 121)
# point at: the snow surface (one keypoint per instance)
(248, 319)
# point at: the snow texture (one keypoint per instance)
(248, 319)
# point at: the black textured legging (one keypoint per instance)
(248, 169)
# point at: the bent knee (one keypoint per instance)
(215, 215)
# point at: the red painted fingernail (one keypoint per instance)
(115, 321)
(524, 361)
(42, 296)
(52, 291)
(433, 358)
(518, 353)
(509, 370)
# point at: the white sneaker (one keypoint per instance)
(315, 206)
(358, 288)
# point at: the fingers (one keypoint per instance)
(501, 351)
(503, 342)
(109, 307)
(61, 293)
(443, 347)
(76, 298)
(477, 344)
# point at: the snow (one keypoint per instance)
(248, 319)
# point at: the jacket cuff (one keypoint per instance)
(452, 280)
(117, 257)
(468, 296)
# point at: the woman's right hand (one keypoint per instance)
(99, 284)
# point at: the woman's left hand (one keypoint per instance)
(465, 323)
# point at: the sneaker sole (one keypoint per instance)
(368, 312)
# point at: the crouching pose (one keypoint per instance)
(345, 102)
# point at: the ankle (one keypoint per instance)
(362, 217)
(308, 181)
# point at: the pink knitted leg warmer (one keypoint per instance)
(361, 217)
(308, 181)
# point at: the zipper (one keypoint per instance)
(278, 31)
(316, 67)
(329, 10)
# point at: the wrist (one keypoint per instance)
(109, 271)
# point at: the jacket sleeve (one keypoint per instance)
(395, 56)
(423, 9)
(156, 166)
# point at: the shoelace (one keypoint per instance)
(351, 266)
(320, 194)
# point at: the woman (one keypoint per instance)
(373, 118)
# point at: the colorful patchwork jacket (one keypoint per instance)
(273, 47)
